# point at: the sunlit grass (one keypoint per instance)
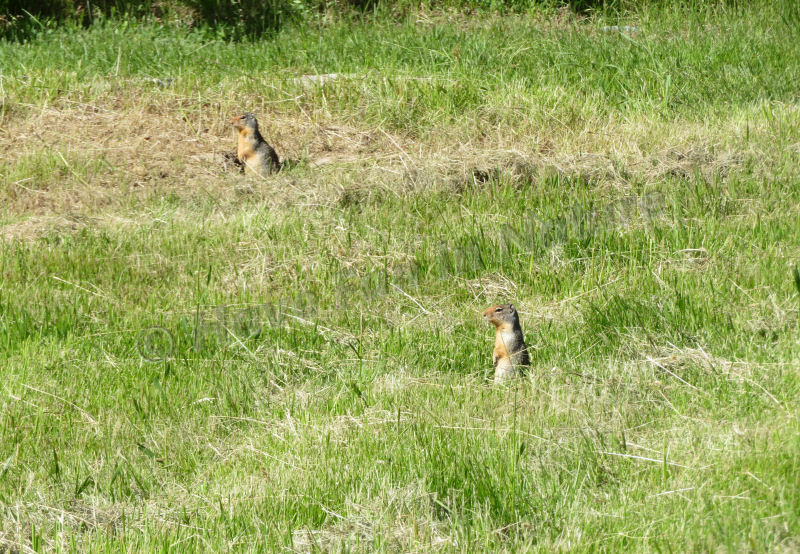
(193, 359)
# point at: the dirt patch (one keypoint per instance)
(129, 148)
(73, 157)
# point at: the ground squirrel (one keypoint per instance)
(252, 150)
(510, 351)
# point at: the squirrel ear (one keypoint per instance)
(511, 306)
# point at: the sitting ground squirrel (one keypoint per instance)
(510, 351)
(252, 150)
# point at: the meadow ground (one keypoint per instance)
(194, 359)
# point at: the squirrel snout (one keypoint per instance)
(239, 121)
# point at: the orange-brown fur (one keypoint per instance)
(510, 351)
(251, 148)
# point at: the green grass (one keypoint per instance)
(193, 359)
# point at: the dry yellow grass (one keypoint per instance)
(299, 362)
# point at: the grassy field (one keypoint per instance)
(193, 359)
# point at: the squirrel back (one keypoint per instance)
(251, 149)
(510, 351)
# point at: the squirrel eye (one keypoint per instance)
(498, 309)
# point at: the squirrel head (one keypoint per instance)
(503, 314)
(245, 121)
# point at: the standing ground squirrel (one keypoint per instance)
(510, 351)
(252, 150)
